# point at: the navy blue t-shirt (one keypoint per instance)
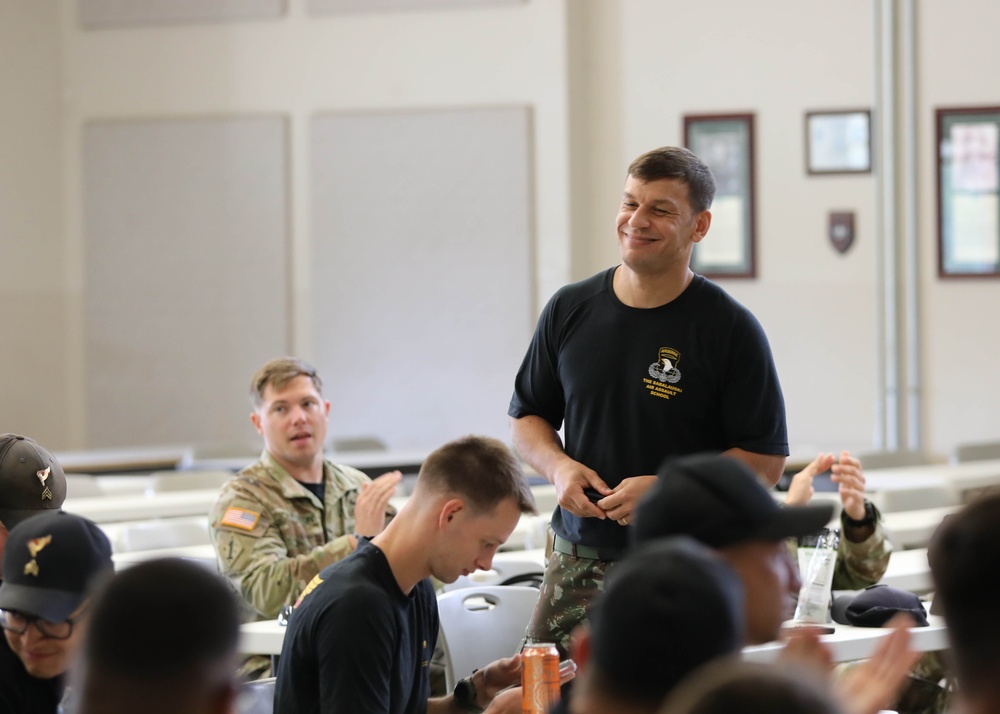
(634, 386)
(357, 643)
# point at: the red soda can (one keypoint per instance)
(539, 677)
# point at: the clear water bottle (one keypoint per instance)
(817, 560)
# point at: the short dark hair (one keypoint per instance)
(695, 600)
(279, 372)
(481, 470)
(158, 625)
(674, 162)
(963, 554)
(730, 685)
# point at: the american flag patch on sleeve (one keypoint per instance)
(240, 518)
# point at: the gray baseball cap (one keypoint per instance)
(31, 480)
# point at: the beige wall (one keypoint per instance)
(302, 66)
(960, 338)
(34, 359)
(607, 79)
(776, 59)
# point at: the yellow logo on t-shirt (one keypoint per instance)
(313, 584)
(664, 374)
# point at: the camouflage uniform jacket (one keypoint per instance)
(858, 564)
(272, 536)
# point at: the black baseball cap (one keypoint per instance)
(668, 608)
(876, 605)
(720, 501)
(31, 480)
(50, 564)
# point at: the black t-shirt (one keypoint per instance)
(356, 643)
(317, 489)
(635, 386)
(20, 693)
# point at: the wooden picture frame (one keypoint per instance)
(725, 142)
(968, 191)
(838, 142)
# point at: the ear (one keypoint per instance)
(326, 408)
(225, 701)
(451, 508)
(255, 420)
(702, 222)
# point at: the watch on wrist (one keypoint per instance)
(868, 520)
(466, 695)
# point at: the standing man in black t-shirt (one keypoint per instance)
(639, 362)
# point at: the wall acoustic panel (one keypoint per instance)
(186, 275)
(422, 286)
(133, 13)
(321, 7)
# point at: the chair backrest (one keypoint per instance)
(164, 481)
(982, 451)
(165, 533)
(256, 697)
(482, 624)
(509, 571)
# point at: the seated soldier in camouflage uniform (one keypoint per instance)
(286, 517)
(862, 557)
(863, 554)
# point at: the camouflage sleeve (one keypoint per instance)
(266, 570)
(862, 564)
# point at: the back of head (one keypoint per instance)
(162, 637)
(719, 501)
(31, 480)
(750, 688)
(51, 563)
(279, 372)
(668, 608)
(480, 470)
(963, 556)
(674, 162)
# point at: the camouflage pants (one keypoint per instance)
(928, 689)
(255, 667)
(569, 588)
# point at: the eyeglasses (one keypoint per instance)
(17, 622)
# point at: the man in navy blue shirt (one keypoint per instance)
(363, 632)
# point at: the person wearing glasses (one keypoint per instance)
(51, 564)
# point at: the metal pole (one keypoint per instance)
(888, 426)
(911, 257)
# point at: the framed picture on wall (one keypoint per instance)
(838, 142)
(725, 143)
(968, 175)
